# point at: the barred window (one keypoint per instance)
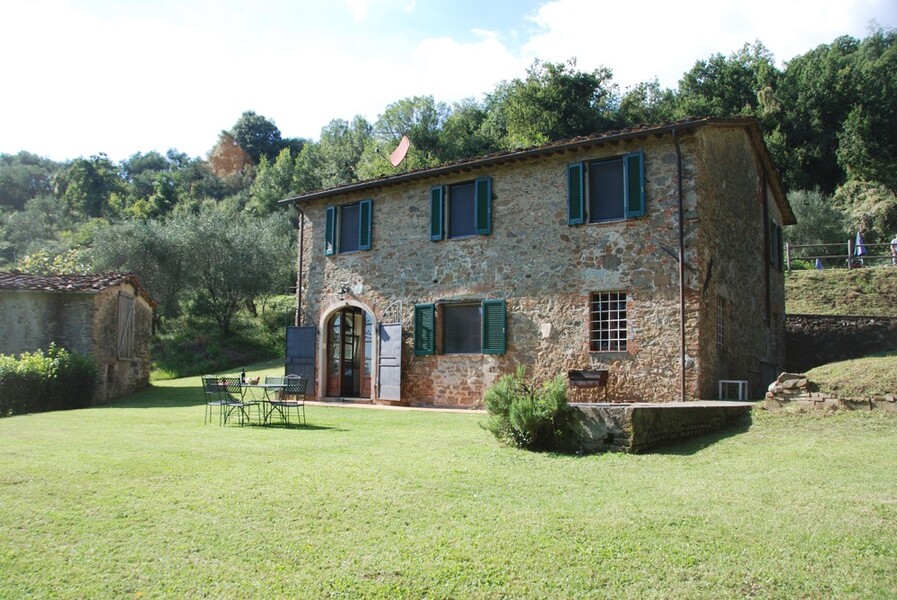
(607, 318)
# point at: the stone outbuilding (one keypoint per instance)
(107, 316)
(427, 286)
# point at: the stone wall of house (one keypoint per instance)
(733, 264)
(83, 322)
(30, 320)
(120, 376)
(815, 340)
(544, 269)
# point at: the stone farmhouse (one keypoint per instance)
(107, 316)
(427, 286)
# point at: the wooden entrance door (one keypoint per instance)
(349, 354)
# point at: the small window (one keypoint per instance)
(461, 210)
(347, 228)
(606, 190)
(607, 316)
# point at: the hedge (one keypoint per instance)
(38, 381)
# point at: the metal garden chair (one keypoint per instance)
(292, 396)
(213, 391)
(235, 400)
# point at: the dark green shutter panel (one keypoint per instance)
(483, 199)
(436, 210)
(494, 327)
(780, 251)
(330, 231)
(575, 196)
(634, 167)
(424, 329)
(772, 242)
(365, 211)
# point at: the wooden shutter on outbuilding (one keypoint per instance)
(125, 326)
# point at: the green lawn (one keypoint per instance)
(140, 499)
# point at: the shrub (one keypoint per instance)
(524, 415)
(38, 381)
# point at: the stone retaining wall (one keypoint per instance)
(814, 340)
(795, 390)
(640, 427)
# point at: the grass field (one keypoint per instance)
(140, 499)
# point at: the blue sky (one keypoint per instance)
(81, 77)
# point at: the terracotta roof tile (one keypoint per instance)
(16, 280)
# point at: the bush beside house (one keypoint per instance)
(39, 381)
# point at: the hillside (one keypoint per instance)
(859, 292)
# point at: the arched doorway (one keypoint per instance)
(350, 353)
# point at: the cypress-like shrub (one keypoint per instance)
(38, 381)
(527, 416)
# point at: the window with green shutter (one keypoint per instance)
(478, 327)
(461, 210)
(347, 228)
(606, 190)
(424, 329)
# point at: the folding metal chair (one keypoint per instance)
(292, 396)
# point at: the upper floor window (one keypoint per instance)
(347, 228)
(606, 190)
(608, 322)
(461, 210)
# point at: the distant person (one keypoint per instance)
(894, 251)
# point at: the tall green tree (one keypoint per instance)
(743, 84)
(557, 101)
(24, 176)
(273, 182)
(258, 136)
(87, 185)
(867, 142)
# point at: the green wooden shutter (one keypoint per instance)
(424, 329)
(365, 212)
(634, 176)
(575, 195)
(483, 201)
(436, 212)
(330, 231)
(494, 327)
(780, 251)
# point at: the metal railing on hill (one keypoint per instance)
(841, 256)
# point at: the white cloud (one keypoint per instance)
(663, 39)
(358, 8)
